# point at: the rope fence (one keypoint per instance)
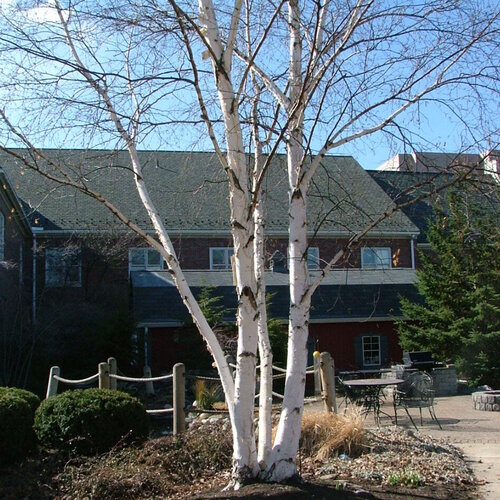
(141, 379)
(107, 378)
(82, 381)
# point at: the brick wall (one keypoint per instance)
(194, 252)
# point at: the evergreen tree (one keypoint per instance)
(458, 319)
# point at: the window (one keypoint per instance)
(2, 237)
(220, 258)
(376, 258)
(371, 350)
(63, 267)
(313, 258)
(144, 259)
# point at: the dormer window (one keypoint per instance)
(220, 258)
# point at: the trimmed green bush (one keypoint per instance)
(17, 408)
(91, 420)
(32, 399)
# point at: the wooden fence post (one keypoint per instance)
(150, 390)
(179, 383)
(103, 375)
(113, 368)
(53, 382)
(328, 382)
(317, 375)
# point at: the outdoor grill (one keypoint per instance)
(420, 360)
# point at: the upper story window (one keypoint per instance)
(63, 267)
(371, 350)
(2, 237)
(220, 258)
(313, 258)
(376, 258)
(144, 259)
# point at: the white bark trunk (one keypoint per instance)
(288, 434)
(245, 465)
(265, 351)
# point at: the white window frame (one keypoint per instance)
(365, 350)
(2, 236)
(146, 252)
(228, 252)
(379, 259)
(60, 256)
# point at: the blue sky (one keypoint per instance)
(428, 127)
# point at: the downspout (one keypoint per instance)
(35, 230)
(21, 266)
(147, 347)
(412, 247)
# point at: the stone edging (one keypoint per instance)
(486, 400)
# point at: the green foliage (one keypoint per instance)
(17, 408)
(91, 420)
(32, 399)
(459, 319)
(206, 395)
(195, 353)
(278, 336)
(212, 306)
(407, 477)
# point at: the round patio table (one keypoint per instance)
(370, 393)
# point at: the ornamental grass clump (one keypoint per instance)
(17, 408)
(206, 394)
(325, 435)
(91, 420)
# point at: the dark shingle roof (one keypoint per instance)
(157, 305)
(397, 183)
(190, 192)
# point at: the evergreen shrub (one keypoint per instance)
(17, 408)
(32, 399)
(91, 420)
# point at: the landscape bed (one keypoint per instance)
(395, 463)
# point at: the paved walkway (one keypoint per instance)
(476, 432)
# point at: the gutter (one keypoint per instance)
(176, 233)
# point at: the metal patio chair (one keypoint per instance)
(418, 393)
(349, 394)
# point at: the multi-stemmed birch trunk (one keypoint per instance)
(347, 71)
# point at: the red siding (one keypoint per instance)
(172, 345)
(338, 340)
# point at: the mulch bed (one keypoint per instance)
(396, 463)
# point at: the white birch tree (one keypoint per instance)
(306, 78)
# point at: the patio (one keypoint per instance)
(476, 433)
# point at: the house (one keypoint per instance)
(429, 177)
(15, 285)
(483, 164)
(80, 253)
